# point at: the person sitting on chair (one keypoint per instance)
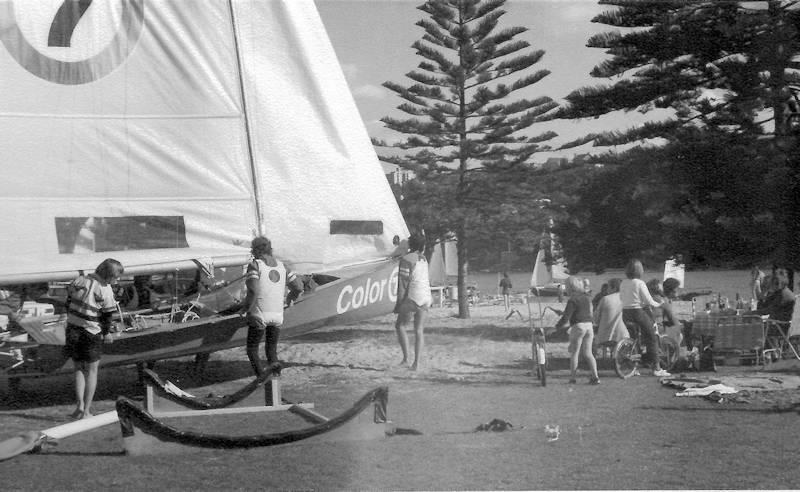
(779, 304)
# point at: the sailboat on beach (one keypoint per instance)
(166, 134)
(549, 269)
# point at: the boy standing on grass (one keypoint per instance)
(578, 315)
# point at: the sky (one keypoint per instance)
(372, 39)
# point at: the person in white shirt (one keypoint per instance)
(266, 281)
(413, 297)
(635, 299)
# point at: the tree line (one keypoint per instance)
(719, 188)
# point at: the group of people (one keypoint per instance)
(620, 303)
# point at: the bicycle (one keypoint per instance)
(538, 344)
(628, 352)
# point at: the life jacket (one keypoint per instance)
(91, 303)
(268, 302)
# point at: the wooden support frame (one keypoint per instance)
(158, 405)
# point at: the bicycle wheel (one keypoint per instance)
(626, 357)
(668, 353)
(540, 362)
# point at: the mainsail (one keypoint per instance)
(162, 131)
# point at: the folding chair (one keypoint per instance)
(779, 334)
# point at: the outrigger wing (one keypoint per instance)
(34, 440)
(144, 434)
(168, 390)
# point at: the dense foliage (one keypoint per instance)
(722, 191)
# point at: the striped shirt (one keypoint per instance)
(90, 304)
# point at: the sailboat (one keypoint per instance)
(549, 270)
(166, 134)
(444, 263)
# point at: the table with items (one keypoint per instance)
(727, 332)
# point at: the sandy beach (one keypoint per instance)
(622, 434)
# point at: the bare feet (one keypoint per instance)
(87, 415)
(77, 414)
(414, 366)
(403, 363)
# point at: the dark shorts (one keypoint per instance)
(82, 346)
(256, 329)
(407, 307)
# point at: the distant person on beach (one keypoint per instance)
(266, 281)
(636, 305)
(608, 316)
(413, 298)
(505, 286)
(578, 315)
(90, 304)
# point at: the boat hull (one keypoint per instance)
(364, 296)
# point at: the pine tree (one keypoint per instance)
(726, 69)
(461, 132)
(715, 63)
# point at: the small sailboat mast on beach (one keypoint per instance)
(549, 269)
(166, 134)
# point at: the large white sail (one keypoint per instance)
(158, 131)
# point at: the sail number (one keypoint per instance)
(65, 21)
(42, 36)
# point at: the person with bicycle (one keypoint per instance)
(578, 314)
(636, 305)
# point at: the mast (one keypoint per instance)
(253, 171)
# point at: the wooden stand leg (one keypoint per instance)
(272, 394)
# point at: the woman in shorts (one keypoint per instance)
(578, 315)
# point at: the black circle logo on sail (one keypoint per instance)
(59, 34)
